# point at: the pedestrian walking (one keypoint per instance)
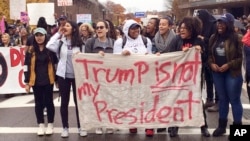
(190, 28)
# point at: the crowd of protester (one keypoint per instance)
(219, 41)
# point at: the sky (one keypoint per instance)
(140, 5)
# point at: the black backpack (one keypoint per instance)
(144, 39)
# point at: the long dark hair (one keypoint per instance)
(75, 37)
(111, 32)
(42, 23)
(36, 45)
(228, 34)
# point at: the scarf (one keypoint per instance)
(161, 44)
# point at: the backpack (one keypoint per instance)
(60, 46)
(144, 39)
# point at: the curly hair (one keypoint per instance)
(89, 28)
(193, 25)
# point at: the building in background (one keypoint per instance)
(236, 7)
(93, 7)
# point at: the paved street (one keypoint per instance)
(17, 123)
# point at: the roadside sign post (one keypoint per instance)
(140, 14)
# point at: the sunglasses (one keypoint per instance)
(99, 27)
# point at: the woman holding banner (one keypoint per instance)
(134, 44)
(39, 74)
(65, 43)
(190, 28)
(101, 44)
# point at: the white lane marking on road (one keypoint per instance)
(25, 130)
(26, 101)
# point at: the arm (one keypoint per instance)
(236, 61)
(118, 46)
(26, 67)
(149, 46)
(26, 70)
(53, 44)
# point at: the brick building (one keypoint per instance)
(93, 7)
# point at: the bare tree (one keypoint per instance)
(168, 4)
(177, 12)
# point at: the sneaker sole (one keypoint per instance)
(48, 133)
(40, 134)
(64, 136)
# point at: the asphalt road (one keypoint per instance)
(17, 123)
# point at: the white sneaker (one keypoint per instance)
(49, 129)
(41, 129)
(82, 132)
(65, 133)
(45, 111)
(98, 131)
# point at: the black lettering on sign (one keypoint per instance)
(3, 70)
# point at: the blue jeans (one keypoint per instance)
(229, 91)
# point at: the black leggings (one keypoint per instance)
(248, 88)
(64, 90)
(44, 99)
(211, 95)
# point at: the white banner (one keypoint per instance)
(64, 3)
(146, 91)
(37, 10)
(84, 18)
(11, 71)
(16, 7)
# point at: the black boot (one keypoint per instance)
(173, 131)
(161, 130)
(204, 131)
(221, 128)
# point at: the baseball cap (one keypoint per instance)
(63, 17)
(227, 18)
(40, 30)
(135, 25)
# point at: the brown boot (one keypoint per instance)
(208, 104)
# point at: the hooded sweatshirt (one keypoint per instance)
(134, 46)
